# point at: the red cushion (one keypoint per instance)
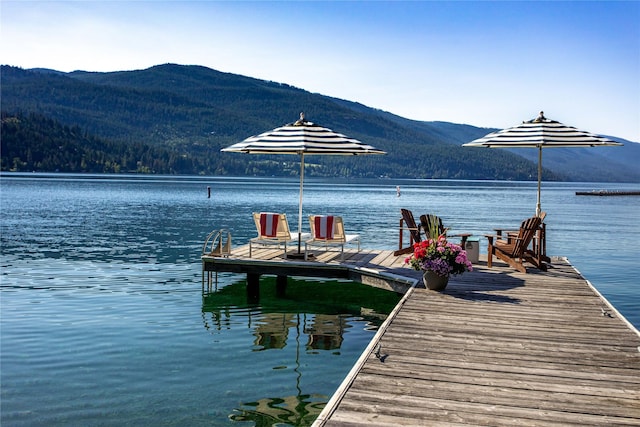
(269, 224)
(324, 227)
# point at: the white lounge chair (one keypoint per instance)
(273, 229)
(328, 230)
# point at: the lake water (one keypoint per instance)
(103, 319)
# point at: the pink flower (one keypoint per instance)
(440, 256)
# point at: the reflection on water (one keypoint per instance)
(322, 331)
(273, 329)
(298, 410)
(301, 408)
(325, 333)
(310, 317)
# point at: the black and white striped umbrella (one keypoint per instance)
(302, 138)
(540, 133)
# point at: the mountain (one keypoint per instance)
(601, 164)
(175, 119)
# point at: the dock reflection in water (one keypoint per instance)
(310, 319)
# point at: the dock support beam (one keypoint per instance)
(253, 287)
(281, 285)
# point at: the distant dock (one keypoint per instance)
(607, 193)
(497, 347)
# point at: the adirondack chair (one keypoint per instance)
(513, 249)
(433, 228)
(538, 247)
(414, 232)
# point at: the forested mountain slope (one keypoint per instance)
(175, 119)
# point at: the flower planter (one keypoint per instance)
(434, 282)
(438, 259)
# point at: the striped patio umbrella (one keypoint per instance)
(540, 133)
(302, 138)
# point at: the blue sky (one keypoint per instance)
(485, 63)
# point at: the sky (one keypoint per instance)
(484, 63)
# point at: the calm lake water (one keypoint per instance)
(103, 319)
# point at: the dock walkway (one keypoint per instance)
(497, 348)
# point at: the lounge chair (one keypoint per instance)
(433, 228)
(328, 230)
(273, 229)
(514, 248)
(414, 232)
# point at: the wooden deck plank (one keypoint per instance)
(497, 348)
(447, 409)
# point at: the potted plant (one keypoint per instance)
(439, 259)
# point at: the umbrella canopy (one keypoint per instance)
(302, 137)
(540, 133)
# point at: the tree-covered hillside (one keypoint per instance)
(175, 119)
(36, 143)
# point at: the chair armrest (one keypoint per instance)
(466, 235)
(351, 237)
(500, 237)
(506, 231)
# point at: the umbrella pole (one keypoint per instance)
(538, 206)
(300, 204)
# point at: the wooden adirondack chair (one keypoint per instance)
(433, 228)
(538, 249)
(414, 232)
(513, 249)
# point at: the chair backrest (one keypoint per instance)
(414, 230)
(327, 227)
(272, 226)
(432, 226)
(527, 232)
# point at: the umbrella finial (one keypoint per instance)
(300, 120)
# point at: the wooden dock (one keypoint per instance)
(377, 268)
(497, 348)
(607, 193)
